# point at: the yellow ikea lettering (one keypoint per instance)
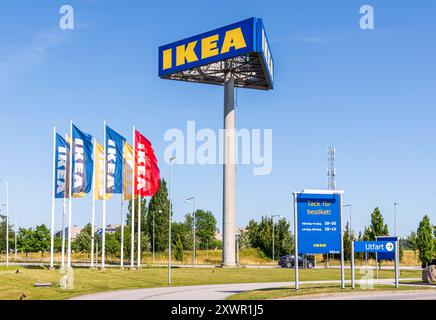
(234, 38)
(167, 59)
(209, 47)
(186, 53)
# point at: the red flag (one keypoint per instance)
(147, 171)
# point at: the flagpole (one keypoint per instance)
(71, 185)
(122, 230)
(103, 242)
(64, 203)
(93, 205)
(132, 215)
(139, 229)
(53, 201)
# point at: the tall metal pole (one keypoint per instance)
(342, 245)
(296, 241)
(273, 234)
(53, 201)
(194, 231)
(352, 264)
(139, 230)
(15, 234)
(229, 179)
(132, 215)
(397, 263)
(94, 190)
(395, 219)
(64, 204)
(103, 241)
(7, 223)
(169, 221)
(122, 231)
(70, 202)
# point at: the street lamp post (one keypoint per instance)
(273, 234)
(15, 234)
(169, 221)
(395, 218)
(7, 221)
(154, 241)
(194, 229)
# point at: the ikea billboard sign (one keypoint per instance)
(246, 37)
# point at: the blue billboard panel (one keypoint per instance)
(375, 246)
(386, 255)
(247, 37)
(319, 223)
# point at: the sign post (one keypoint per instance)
(295, 241)
(318, 226)
(397, 264)
(352, 265)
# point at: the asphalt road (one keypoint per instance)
(222, 291)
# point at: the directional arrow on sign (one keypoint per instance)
(389, 246)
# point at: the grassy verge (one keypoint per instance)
(308, 290)
(13, 285)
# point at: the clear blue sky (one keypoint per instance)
(371, 94)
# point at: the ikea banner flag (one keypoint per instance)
(237, 39)
(319, 223)
(62, 153)
(82, 163)
(114, 161)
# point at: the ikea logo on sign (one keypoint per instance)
(244, 43)
(213, 46)
(207, 47)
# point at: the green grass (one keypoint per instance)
(327, 289)
(13, 285)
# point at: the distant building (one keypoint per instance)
(219, 235)
(75, 230)
(112, 228)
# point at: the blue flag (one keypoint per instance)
(114, 161)
(62, 153)
(82, 163)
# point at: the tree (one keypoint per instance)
(179, 250)
(25, 240)
(205, 224)
(82, 242)
(3, 235)
(159, 206)
(41, 239)
(282, 238)
(259, 235)
(143, 215)
(424, 240)
(412, 242)
(348, 237)
(183, 232)
(377, 227)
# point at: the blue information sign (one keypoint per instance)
(375, 246)
(100, 232)
(386, 255)
(319, 223)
